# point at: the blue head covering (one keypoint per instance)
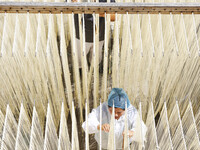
(119, 96)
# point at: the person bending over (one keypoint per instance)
(88, 18)
(118, 96)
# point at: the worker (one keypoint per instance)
(88, 18)
(117, 96)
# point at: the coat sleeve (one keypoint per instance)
(92, 122)
(133, 120)
(139, 129)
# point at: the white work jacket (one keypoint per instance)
(133, 124)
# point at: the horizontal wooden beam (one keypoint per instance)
(110, 8)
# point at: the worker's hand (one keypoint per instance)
(102, 15)
(112, 16)
(104, 127)
(130, 133)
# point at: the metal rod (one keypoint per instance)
(141, 51)
(3, 36)
(86, 133)
(32, 124)
(151, 34)
(117, 31)
(4, 127)
(38, 33)
(18, 128)
(161, 31)
(61, 122)
(194, 122)
(83, 34)
(62, 30)
(105, 35)
(73, 34)
(73, 127)
(113, 112)
(129, 34)
(154, 125)
(110, 8)
(141, 127)
(168, 128)
(46, 125)
(49, 34)
(195, 28)
(181, 125)
(174, 35)
(100, 126)
(15, 34)
(185, 32)
(27, 33)
(94, 34)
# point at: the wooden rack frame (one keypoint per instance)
(89, 8)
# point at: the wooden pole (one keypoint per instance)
(109, 8)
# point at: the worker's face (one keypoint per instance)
(118, 112)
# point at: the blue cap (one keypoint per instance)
(119, 96)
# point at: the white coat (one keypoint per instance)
(133, 124)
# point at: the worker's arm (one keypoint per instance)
(138, 129)
(112, 16)
(92, 122)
